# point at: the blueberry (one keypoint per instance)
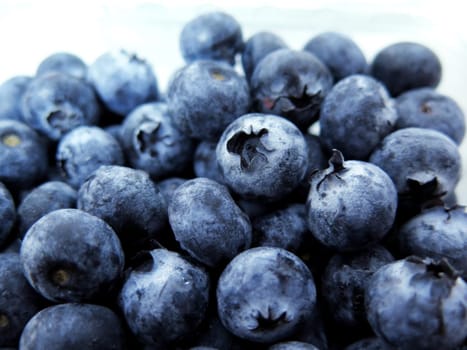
(292, 345)
(344, 282)
(339, 53)
(284, 228)
(262, 156)
(205, 161)
(128, 200)
(291, 84)
(74, 326)
(207, 223)
(406, 65)
(258, 46)
(18, 301)
(152, 143)
(206, 96)
(69, 255)
(83, 150)
(123, 81)
(56, 103)
(212, 35)
(437, 233)
(427, 108)
(63, 62)
(11, 93)
(356, 115)
(23, 156)
(351, 204)
(165, 298)
(370, 343)
(422, 163)
(265, 294)
(417, 304)
(43, 199)
(7, 214)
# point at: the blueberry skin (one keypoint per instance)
(206, 96)
(262, 156)
(128, 200)
(43, 199)
(205, 162)
(123, 81)
(74, 326)
(152, 142)
(356, 115)
(7, 214)
(404, 66)
(344, 282)
(164, 299)
(212, 35)
(207, 222)
(284, 228)
(351, 204)
(415, 158)
(63, 62)
(291, 84)
(258, 46)
(425, 308)
(18, 302)
(265, 294)
(23, 155)
(56, 103)
(168, 187)
(373, 343)
(339, 53)
(69, 255)
(437, 233)
(11, 92)
(293, 345)
(427, 108)
(83, 150)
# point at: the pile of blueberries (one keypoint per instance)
(218, 215)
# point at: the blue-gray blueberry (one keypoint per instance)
(291, 84)
(123, 81)
(404, 66)
(128, 200)
(207, 222)
(339, 53)
(83, 150)
(165, 298)
(74, 326)
(63, 62)
(55, 103)
(18, 300)
(265, 294)
(351, 204)
(356, 115)
(427, 108)
(262, 156)
(205, 96)
(43, 199)
(152, 143)
(11, 93)
(69, 255)
(8, 214)
(417, 303)
(212, 35)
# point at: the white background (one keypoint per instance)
(32, 30)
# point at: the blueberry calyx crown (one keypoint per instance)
(336, 161)
(438, 268)
(11, 140)
(249, 147)
(147, 136)
(269, 321)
